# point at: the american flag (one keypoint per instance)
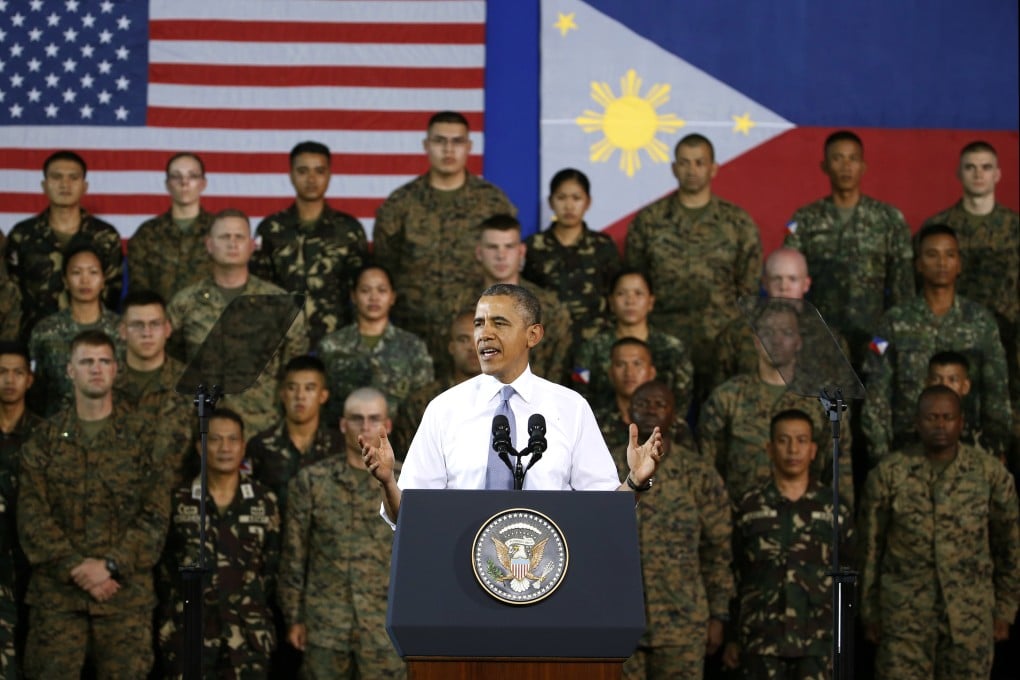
(128, 83)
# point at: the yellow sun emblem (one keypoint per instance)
(629, 122)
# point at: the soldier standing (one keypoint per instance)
(334, 577)
(310, 247)
(630, 366)
(92, 516)
(782, 551)
(243, 542)
(940, 580)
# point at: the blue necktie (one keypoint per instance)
(497, 474)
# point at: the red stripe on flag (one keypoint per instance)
(222, 30)
(317, 76)
(259, 119)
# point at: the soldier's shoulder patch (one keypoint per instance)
(258, 242)
(878, 345)
(791, 227)
(581, 375)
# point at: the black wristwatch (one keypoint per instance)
(111, 566)
(639, 489)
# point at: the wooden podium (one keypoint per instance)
(446, 625)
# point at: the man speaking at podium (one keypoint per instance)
(453, 448)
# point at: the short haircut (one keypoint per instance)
(842, 136)
(524, 300)
(93, 338)
(695, 139)
(501, 222)
(447, 117)
(938, 390)
(631, 271)
(317, 148)
(185, 154)
(305, 362)
(77, 249)
(790, 414)
(64, 155)
(630, 341)
(930, 230)
(223, 413)
(142, 297)
(369, 267)
(566, 175)
(978, 145)
(365, 393)
(949, 357)
(232, 212)
(15, 348)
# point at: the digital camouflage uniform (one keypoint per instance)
(426, 238)
(317, 259)
(733, 430)
(334, 577)
(164, 258)
(406, 422)
(579, 274)
(685, 535)
(10, 309)
(50, 348)
(697, 269)
(243, 541)
(194, 311)
(896, 376)
(275, 460)
(397, 364)
(35, 262)
(670, 357)
(782, 552)
(101, 499)
(615, 430)
(941, 560)
(858, 270)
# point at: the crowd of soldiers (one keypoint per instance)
(101, 499)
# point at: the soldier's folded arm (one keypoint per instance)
(142, 542)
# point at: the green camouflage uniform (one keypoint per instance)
(275, 460)
(50, 348)
(317, 259)
(243, 541)
(858, 270)
(579, 274)
(734, 428)
(10, 309)
(896, 377)
(426, 238)
(684, 528)
(35, 263)
(698, 269)
(194, 311)
(670, 357)
(615, 430)
(397, 364)
(164, 258)
(334, 577)
(172, 415)
(783, 555)
(103, 499)
(406, 422)
(941, 560)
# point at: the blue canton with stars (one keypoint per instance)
(73, 62)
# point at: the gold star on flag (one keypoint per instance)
(743, 123)
(565, 23)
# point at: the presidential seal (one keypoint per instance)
(519, 556)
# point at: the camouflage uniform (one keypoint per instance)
(275, 460)
(334, 577)
(35, 262)
(896, 377)
(734, 429)
(684, 528)
(859, 270)
(941, 559)
(194, 311)
(103, 499)
(405, 424)
(243, 541)
(579, 274)
(50, 348)
(10, 309)
(172, 415)
(698, 269)
(426, 238)
(317, 259)
(782, 551)
(615, 430)
(165, 258)
(670, 357)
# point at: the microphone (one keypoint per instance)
(537, 443)
(501, 437)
